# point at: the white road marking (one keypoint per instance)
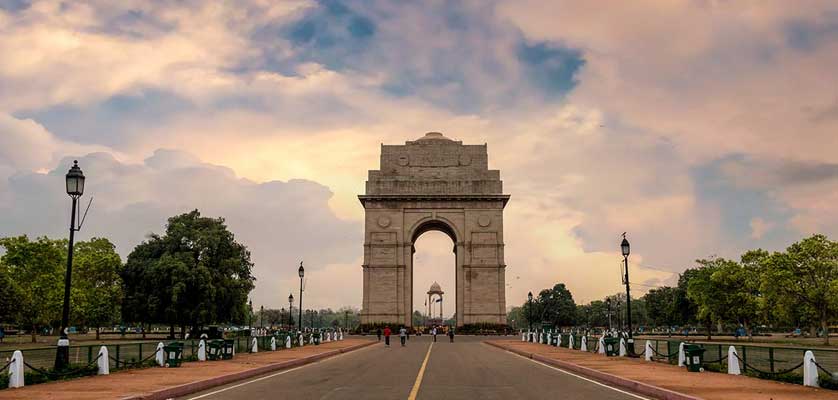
(580, 377)
(273, 375)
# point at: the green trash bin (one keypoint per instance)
(214, 349)
(228, 349)
(612, 347)
(174, 354)
(694, 355)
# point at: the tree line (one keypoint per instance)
(795, 288)
(193, 275)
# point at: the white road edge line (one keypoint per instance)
(272, 375)
(581, 377)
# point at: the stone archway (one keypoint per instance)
(434, 183)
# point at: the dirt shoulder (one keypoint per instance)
(705, 385)
(158, 382)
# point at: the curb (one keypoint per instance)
(603, 377)
(197, 386)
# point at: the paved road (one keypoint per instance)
(466, 369)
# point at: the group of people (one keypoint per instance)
(404, 335)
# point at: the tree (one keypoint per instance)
(8, 296)
(36, 268)
(662, 306)
(807, 275)
(97, 288)
(556, 305)
(195, 274)
(703, 292)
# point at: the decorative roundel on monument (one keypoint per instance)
(403, 161)
(383, 221)
(484, 220)
(465, 159)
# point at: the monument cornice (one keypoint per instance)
(434, 197)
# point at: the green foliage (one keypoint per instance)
(554, 306)
(97, 288)
(805, 276)
(195, 274)
(667, 306)
(36, 271)
(483, 328)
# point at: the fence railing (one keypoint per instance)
(124, 355)
(756, 359)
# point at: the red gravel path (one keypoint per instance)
(143, 382)
(705, 385)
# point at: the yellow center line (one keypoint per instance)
(415, 390)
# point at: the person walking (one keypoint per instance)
(402, 335)
(451, 334)
(387, 336)
(433, 332)
(378, 332)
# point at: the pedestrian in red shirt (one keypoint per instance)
(387, 336)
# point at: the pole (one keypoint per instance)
(290, 314)
(529, 314)
(630, 343)
(346, 319)
(62, 355)
(300, 322)
(261, 317)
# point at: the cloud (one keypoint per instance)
(280, 222)
(635, 117)
(759, 227)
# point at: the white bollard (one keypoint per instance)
(273, 343)
(584, 345)
(733, 362)
(523, 336)
(310, 338)
(341, 335)
(301, 340)
(549, 338)
(16, 370)
(623, 351)
(601, 345)
(159, 357)
(254, 346)
(288, 342)
(810, 370)
(570, 342)
(202, 350)
(649, 350)
(103, 363)
(681, 356)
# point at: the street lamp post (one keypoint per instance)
(301, 271)
(250, 317)
(75, 188)
(529, 310)
(290, 315)
(626, 250)
(346, 319)
(608, 305)
(261, 317)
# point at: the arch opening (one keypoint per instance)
(434, 279)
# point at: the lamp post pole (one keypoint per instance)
(290, 309)
(75, 188)
(529, 310)
(301, 271)
(626, 250)
(608, 305)
(261, 317)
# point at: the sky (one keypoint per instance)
(699, 127)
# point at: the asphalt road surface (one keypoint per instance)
(466, 369)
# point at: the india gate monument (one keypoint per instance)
(434, 183)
